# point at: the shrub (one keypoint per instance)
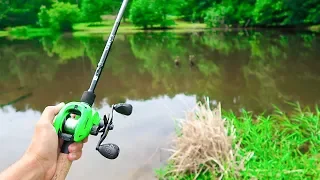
(60, 17)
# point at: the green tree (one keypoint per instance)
(313, 15)
(194, 10)
(19, 12)
(93, 9)
(302, 12)
(43, 16)
(61, 16)
(165, 8)
(216, 15)
(126, 14)
(269, 12)
(144, 14)
(230, 12)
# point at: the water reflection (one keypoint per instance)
(240, 70)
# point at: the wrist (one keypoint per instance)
(27, 168)
(33, 164)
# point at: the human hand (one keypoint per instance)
(45, 145)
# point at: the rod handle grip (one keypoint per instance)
(63, 167)
(63, 163)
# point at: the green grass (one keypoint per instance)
(96, 28)
(285, 145)
(100, 27)
(3, 33)
(25, 32)
(127, 27)
(315, 28)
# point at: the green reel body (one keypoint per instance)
(79, 127)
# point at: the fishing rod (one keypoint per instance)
(77, 120)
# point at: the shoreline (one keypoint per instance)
(98, 28)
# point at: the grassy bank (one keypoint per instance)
(315, 28)
(127, 27)
(92, 28)
(26, 32)
(105, 26)
(3, 33)
(267, 146)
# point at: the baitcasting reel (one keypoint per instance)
(77, 120)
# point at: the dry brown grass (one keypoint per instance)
(206, 142)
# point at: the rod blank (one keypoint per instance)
(106, 50)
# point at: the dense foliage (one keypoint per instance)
(60, 17)
(144, 14)
(19, 12)
(149, 13)
(92, 10)
(264, 13)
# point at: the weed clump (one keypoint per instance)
(205, 144)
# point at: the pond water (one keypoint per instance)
(162, 75)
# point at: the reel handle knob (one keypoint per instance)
(110, 151)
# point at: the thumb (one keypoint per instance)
(50, 112)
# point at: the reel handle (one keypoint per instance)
(109, 151)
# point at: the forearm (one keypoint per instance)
(26, 168)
